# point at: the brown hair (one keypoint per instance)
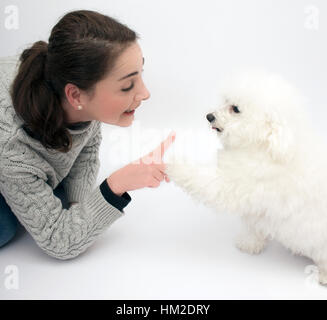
(83, 48)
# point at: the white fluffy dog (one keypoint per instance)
(272, 169)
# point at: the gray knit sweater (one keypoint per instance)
(29, 173)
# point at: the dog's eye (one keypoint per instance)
(236, 109)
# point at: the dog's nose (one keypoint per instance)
(210, 117)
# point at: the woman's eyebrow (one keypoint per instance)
(131, 74)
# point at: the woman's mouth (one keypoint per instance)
(129, 113)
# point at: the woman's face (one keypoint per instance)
(123, 89)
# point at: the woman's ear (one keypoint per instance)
(279, 138)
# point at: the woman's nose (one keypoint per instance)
(147, 94)
(144, 95)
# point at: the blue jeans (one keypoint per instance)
(8, 221)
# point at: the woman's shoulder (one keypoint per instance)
(10, 59)
(8, 68)
(8, 118)
(9, 62)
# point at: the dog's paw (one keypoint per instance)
(250, 243)
(177, 171)
(172, 170)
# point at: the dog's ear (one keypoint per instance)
(279, 138)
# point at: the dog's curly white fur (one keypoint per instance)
(272, 170)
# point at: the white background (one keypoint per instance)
(167, 246)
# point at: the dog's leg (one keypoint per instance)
(201, 182)
(250, 240)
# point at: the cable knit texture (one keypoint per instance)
(29, 173)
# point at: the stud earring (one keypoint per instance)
(79, 108)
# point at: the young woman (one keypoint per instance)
(52, 102)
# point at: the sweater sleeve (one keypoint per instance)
(61, 233)
(83, 174)
(119, 202)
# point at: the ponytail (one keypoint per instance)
(36, 102)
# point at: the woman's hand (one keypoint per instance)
(148, 171)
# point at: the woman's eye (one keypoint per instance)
(236, 109)
(129, 88)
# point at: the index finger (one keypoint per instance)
(164, 145)
(156, 155)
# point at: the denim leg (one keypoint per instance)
(8, 221)
(60, 193)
